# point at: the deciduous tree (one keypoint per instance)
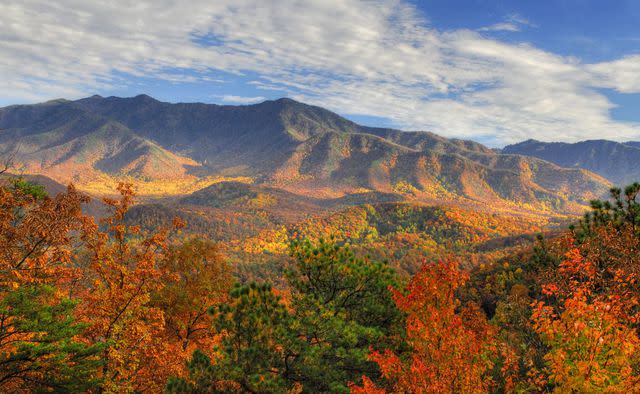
(39, 349)
(591, 334)
(449, 345)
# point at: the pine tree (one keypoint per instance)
(38, 346)
(318, 341)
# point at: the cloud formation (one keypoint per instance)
(502, 26)
(379, 57)
(242, 99)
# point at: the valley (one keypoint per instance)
(291, 224)
(253, 178)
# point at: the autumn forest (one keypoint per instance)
(151, 247)
(102, 305)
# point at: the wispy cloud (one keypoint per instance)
(512, 22)
(242, 99)
(504, 26)
(352, 57)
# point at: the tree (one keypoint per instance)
(198, 277)
(449, 345)
(38, 346)
(593, 344)
(623, 209)
(39, 349)
(255, 329)
(339, 308)
(120, 275)
(343, 308)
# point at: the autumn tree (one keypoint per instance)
(121, 274)
(39, 349)
(591, 334)
(197, 277)
(449, 344)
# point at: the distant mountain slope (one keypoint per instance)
(63, 140)
(618, 162)
(94, 207)
(634, 144)
(305, 150)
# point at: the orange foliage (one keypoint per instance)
(198, 277)
(449, 349)
(120, 279)
(35, 237)
(594, 345)
(34, 251)
(146, 298)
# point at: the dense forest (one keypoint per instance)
(100, 305)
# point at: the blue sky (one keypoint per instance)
(492, 71)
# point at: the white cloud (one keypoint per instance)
(381, 59)
(622, 75)
(503, 26)
(242, 99)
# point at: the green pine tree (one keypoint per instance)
(39, 352)
(340, 308)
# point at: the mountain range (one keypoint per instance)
(285, 145)
(617, 161)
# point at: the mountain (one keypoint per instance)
(634, 144)
(282, 144)
(61, 139)
(618, 162)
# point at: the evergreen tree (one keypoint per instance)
(253, 354)
(38, 349)
(344, 308)
(38, 346)
(623, 209)
(340, 307)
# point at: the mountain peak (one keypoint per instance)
(144, 97)
(613, 160)
(287, 100)
(282, 102)
(280, 143)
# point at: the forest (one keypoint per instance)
(103, 305)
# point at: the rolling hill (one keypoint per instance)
(283, 144)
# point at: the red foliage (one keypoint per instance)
(449, 345)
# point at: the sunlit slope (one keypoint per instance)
(306, 150)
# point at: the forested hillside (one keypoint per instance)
(174, 149)
(617, 161)
(278, 248)
(371, 298)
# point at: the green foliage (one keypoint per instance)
(201, 374)
(542, 258)
(44, 356)
(343, 308)
(624, 208)
(29, 188)
(340, 308)
(254, 326)
(332, 277)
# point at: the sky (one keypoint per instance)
(494, 71)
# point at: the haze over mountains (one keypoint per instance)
(281, 144)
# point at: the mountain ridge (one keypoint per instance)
(617, 161)
(282, 143)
